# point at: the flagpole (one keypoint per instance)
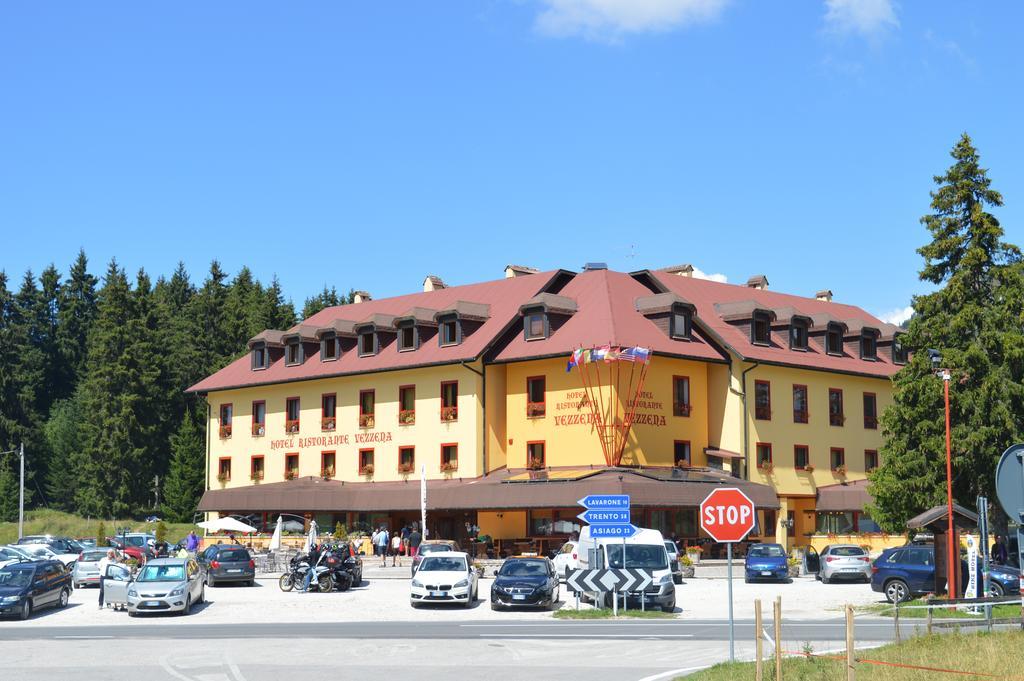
(423, 500)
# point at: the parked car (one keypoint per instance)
(162, 585)
(134, 544)
(222, 563)
(65, 548)
(525, 581)
(432, 546)
(29, 586)
(673, 561)
(444, 577)
(644, 550)
(12, 554)
(907, 571)
(765, 561)
(44, 552)
(567, 559)
(843, 561)
(87, 567)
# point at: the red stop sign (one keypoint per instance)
(727, 515)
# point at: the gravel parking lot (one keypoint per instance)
(388, 599)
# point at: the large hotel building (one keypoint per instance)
(777, 394)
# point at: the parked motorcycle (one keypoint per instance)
(346, 568)
(295, 576)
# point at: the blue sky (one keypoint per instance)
(367, 146)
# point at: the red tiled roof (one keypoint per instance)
(705, 295)
(606, 313)
(501, 297)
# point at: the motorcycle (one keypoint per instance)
(295, 577)
(346, 569)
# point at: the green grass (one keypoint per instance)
(568, 613)
(980, 652)
(45, 521)
(1009, 610)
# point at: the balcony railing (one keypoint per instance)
(259, 430)
(871, 422)
(449, 413)
(449, 466)
(291, 426)
(407, 417)
(800, 416)
(225, 431)
(681, 409)
(836, 419)
(406, 468)
(366, 470)
(763, 412)
(327, 473)
(366, 420)
(536, 410)
(327, 423)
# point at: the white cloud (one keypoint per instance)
(701, 274)
(609, 19)
(897, 316)
(868, 18)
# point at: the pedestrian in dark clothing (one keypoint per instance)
(999, 552)
(415, 539)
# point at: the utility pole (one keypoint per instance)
(21, 494)
(156, 491)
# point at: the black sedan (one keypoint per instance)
(222, 563)
(32, 585)
(528, 582)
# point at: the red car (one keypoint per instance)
(134, 545)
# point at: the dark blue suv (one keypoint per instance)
(909, 571)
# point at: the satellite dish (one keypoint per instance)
(1010, 482)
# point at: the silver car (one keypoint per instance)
(162, 585)
(844, 561)
(87, 567)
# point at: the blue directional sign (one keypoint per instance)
(599, 517)
(613, 531)
(605, 502)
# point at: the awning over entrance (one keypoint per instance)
(722, 453)
(648, 487)
(851, 496)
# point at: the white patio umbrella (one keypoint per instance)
(311, 537)
(275, 539)
(227, 525)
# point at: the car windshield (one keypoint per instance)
(766, 551)
(651, 556)
(15, 576)
(162, 573)
(75, 546)
(135, 541)
(443, 564)
(92, 556)
(233, 555)
(523, 568)
(38, 550)
(434, 548)
(847, 551)
(671, 547)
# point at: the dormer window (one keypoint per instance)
(535, 325)
(367, 343)
(760, 328)
(679, 325)
(293, 354)
(868, 344)
(449, 332)
(834, 339)
(260, 357)
(408, 338)
(329, 347)
(899, 350)
(798, 334)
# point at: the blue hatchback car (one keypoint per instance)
(766, 561)
(909, 571)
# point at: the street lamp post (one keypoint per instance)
(21, 488)
(951, 582)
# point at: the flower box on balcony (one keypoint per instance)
(449, 413)
(291, 474)
(291, 426)
(449, 466)
(366, 420)
(840, 470)
(327, 473)
(405, 468)
(256, 476)
(258, 430)
(366, 470)
(225, 431)
(407, 417)
(766, 467)
(223, 477)
(535, 410)
(809, 468)
(682, 463)
(535, 464)
(327, 423)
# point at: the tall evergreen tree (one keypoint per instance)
(8, 488)
(64, 438)
(9, 430)
(974, 320)
(277, 314)
(75, 314)
(324, 299)
(186, 478)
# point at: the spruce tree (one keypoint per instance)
(974, 320)
(76, 312)
(186, 478)
(8, 488)
(64, 437)
(324, 299)
(277, 313)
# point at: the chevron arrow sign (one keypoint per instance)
(629, 579)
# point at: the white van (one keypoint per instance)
(644, 550)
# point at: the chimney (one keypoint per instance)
(758, 281)
(361, 297)
(824, 296)
(518, 271)
(685, 270)
(432, 283)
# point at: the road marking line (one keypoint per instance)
(86, 637)
(652, 637)
(580, 624)
(673, 672)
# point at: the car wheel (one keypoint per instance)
(286, 582)
(65, 596)
(26, 610)
(210, 581)
(567, 571)
(494, 606)
(896, 591)
(746, 580)
(202, 595)
(995, 589)
(414, 605)
(251, 582)
(824, 579)
(678, 579)
(132, 614)
(669, 608)
(188, 606)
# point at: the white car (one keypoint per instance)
(445, 577)
(44, 552)
(12, 554)
(567, 559)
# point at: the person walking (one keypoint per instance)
(381, 546)
(396, 548)
(192, 544)
(415, 539)
(999, 553)
(405, 539)
(105, 561)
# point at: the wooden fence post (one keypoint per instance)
(778, 638)
(758, 642)
(929, 624)
(896, 622)
(849, 643)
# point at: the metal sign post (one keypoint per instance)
(609, 518)
(732, 632)
(983, 538)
